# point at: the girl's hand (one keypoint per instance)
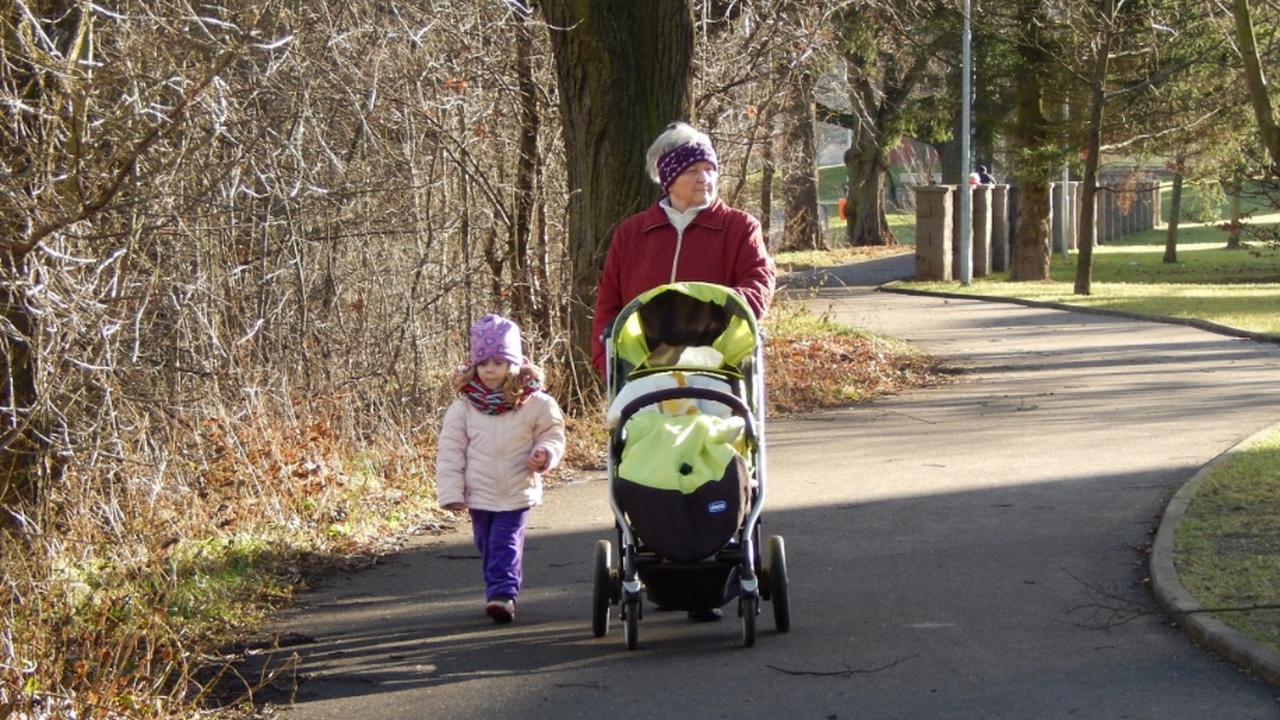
(455, 506)
(537, 461)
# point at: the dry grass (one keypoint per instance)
(814, 364)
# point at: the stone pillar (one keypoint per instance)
(933, 231)
(1103, 203)
(956, 245)
(999, 227)
(980, 232)
(1055, 217)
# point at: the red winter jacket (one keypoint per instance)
(722, 245)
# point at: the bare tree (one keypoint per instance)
(890, 52)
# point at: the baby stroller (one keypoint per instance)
(686, 463)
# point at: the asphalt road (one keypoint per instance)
(975, 551)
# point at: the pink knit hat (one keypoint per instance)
(494, 336)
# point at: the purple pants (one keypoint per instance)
(499, 537)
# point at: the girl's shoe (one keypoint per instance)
(502, 610)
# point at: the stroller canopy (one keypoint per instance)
(689, 326)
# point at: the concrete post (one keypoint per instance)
(933, 231)
(1055, 217)
(956, 244)
(1102, 202)
(1077, 200)
(999, 227)
(981, 230)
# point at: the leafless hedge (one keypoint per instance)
(242, 240)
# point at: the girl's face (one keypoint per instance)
(693, 187)
(493, 372)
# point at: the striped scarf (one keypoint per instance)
(494, 402)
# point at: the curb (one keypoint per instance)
(1182, 608)
(1129, 315)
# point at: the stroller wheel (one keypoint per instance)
(748, 608)
(631, 621)
(602, 589)
(775, 577)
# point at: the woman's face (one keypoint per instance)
(493, 372)
(693, 187)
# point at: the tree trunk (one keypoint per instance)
(624, 72)
(529, 273)
(767, 173)
(1175, 215)
(1093, 152)
(22, 439)
(866, 166)
(1233, 235)
(801, 229)
(1031, 134)
(1031, 249)
(20, 446)
(1258, 95)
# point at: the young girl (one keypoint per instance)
(499, 435)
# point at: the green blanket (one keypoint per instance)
(678, 452)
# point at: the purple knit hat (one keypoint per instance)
(677, 160)
(494, 336)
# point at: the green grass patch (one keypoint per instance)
(224, 582)
(1234, 288)
(1253, 200)
(1227, 547)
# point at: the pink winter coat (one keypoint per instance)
(722, 245)
(481, 459)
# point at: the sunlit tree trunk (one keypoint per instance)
(802, 230)
(1031, 250)
(1093, 151)
(1175, 216)
(1258, 94)
(1233, 235)
(866, 165)
(624, 73)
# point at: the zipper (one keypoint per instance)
(675, 261)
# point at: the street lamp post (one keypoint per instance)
(966, 164)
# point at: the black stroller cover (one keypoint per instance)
(683, 485)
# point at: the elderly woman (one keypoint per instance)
(687, 235)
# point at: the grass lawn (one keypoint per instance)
(1234, 288)
(1227, 548)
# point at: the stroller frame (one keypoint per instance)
(738, 569)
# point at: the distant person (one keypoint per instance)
(983, 177)
(498, 437)
(687, 235)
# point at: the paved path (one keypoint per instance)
(970, 551)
